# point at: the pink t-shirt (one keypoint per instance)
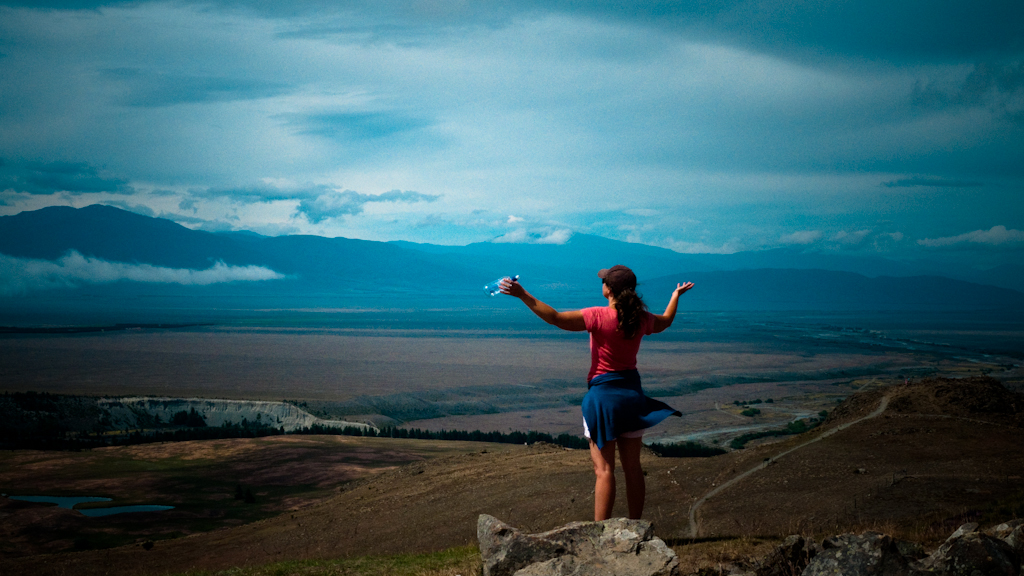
(609, 350)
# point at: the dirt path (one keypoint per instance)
(719, 408)
(695, 528)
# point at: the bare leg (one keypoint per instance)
(636, 488)
(604, 487)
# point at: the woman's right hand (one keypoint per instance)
(511, 287)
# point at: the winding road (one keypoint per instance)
(694, 527)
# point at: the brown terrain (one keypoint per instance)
(939, 453)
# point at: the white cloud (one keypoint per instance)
(844, 237)
(19, 275)
(802, 237)
(517, 236)
(514, 219)
(556, 237)
(730, 247)
(522, 236)
(994, 236)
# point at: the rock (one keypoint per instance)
(870, 553)
(911, 550)
(974, 553)
(1016, 540)
(1003, 530)
(610, 547)
(789, 558)
(963, 529)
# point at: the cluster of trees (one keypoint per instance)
(685, 450)
(566, 440)
(749, 402)
(796, 427)
(191, 418)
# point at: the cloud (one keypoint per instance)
(337, 204)
(358, 126)
(995, 236)
(802, 237)
(18, 275)
(522, 236)
(844, 237)
(51, 177)
(931, 182)
(513, 219)
(730, 247)
(910, 29)
(145, 88)
(996, 86)
(262, 192)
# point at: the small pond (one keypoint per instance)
(70, 502)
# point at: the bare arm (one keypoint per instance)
(663, 321)
(572, 321)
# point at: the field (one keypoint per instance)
(520, 377)
(917, 470)
(331, 497)
(199, 479)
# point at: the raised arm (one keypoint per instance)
(663, 321)
(572, 321)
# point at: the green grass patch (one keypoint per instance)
(464, 561)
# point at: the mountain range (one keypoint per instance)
(104, 256)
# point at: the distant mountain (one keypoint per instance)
(340, 272)
(777, 289)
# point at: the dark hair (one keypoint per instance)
(630, 307)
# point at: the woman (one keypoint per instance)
(615, 410)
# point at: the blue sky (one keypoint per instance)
(875, 127)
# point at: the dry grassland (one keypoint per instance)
(913, 474)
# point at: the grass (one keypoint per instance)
(199, 479)
(712, 555)
(463, 561)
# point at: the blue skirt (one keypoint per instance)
(615, 404)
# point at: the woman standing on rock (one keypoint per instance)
(615, 410)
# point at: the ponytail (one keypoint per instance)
(630, 308)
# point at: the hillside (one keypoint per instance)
(917, 469)
(134, 267)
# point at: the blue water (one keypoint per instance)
(70, 502)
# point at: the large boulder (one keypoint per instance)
(1002, 531)
(610, 547)
(868, 554)
(1016, 540)
(968, 552)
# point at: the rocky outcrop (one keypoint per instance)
(606, 548)
(866, 554)
(628, 547)
(217, 412)
(967, 552)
